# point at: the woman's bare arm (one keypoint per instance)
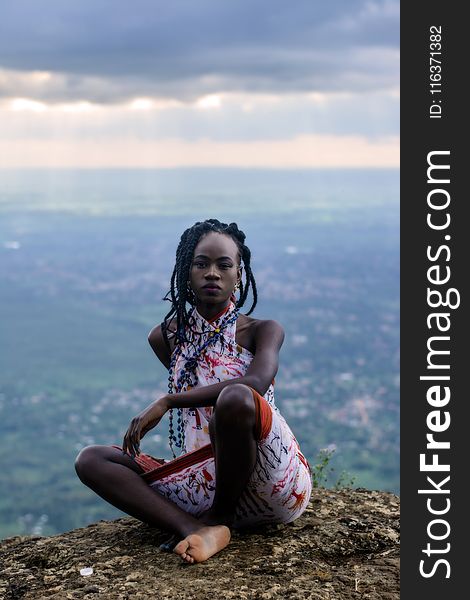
(158, 345)
(269, 336)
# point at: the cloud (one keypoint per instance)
(208, 82)
(227, 117)
(305, 151)
(110, 51)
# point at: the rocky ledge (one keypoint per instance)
(346, 545)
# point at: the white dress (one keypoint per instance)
(280, 486)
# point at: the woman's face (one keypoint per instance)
(215, 268)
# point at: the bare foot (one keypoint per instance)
(203, 543)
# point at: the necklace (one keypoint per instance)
(186, 377)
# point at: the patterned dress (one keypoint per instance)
(280, 486)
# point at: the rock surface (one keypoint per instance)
(346, 545)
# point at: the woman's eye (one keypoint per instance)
(203, 265)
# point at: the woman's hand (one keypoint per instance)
(142, 423)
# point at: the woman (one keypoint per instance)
(240, 464)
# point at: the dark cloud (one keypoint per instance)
(109, 50)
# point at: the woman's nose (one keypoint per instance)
(212, 271)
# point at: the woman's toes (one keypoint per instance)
(181, 548)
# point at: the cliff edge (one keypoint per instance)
(345, 546)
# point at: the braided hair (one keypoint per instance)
(179, 294)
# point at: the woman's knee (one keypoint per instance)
(87, 459)
(236, 401)
(94, 461)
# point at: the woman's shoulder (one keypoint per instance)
(269, 328)
(260, 324)
(251, 332)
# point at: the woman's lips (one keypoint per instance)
(211, 288)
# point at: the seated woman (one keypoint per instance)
(240, 463)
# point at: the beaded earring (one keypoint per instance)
(191, 294)
(233, 298)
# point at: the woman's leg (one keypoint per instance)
(115, 477)
(232, 431)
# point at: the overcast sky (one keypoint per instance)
(199, 82)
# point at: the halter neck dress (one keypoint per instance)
(280, 486)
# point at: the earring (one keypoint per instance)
(190, 292)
